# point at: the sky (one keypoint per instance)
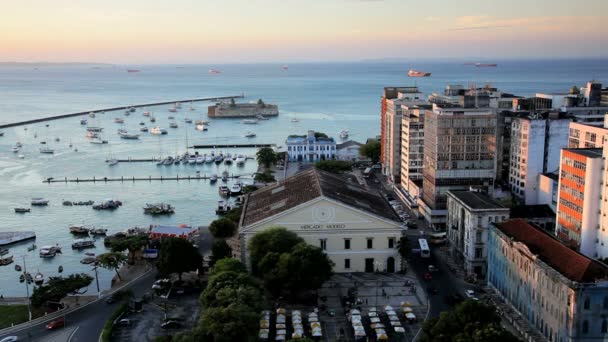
(254, 31)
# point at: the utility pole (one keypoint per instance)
(27, 289)
(97, 278)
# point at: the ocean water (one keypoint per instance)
(324, 97)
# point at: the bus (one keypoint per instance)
(425, 251)
(438, 238)
(367, 172)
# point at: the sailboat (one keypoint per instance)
(111, 160)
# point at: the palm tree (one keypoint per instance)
(112, 261)
(132, 244)
(266, 156)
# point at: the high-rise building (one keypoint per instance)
(459, 153)
(536, 141)
(586, 136)
(578, 199)
(412, 145)
(561, 294)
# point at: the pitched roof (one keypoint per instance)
(569, 263)
(306, 186)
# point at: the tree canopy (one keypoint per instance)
(222, 228)
(132, 244)
(234, 322)
(266, 156)
(468, 321)
(220, 250)
(371, 150)
(334, 166)
(234, 215)
(59, 287)
(273, 239)
(228, 265)
(178, 256)
(320, 135)
(112, 261)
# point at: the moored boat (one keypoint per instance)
(240, 159)
(159, 209)
(79, 229)
(250, 121)
(83, 244)
(223, 207)
(250, 135)
(236, 189)
(98, 231)
(213, 178)
(6, 261)
(22, 210)
(224, 190)
(38, 278)
(414, 73)
(39, 201)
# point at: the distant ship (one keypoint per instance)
(214, 71)
(486, 65)
(133, 70)
(285, 67)
(414, 73)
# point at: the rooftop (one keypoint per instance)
(476, 200)
(532, 211)
(564, 260)
(348, 143)
(586, 152)
(308, 185)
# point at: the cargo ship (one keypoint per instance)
(414, 73)
(486, 65)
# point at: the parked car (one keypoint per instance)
(159, 284)
(432, 268)
(56, 324)
(171, 325)
(10, 339)
(125, 322)
(471, 294)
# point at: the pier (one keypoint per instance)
(232, 146)
(97, 111)
(138, 179)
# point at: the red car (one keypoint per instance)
(60, 323)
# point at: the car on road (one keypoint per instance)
(124, 322)
(433, 268)
(428, 276)
(10, 339)
(159, 284)
(56, 324)
(471, 294)
(171, 325)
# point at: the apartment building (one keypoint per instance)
(412, 145)
(586, 136)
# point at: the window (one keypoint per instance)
(587, 303)
(346, 243)
(347, 263)
(370, 243)
(323, 244)
(391, 242)
(605, 304)
(585, 326)
(604, 326)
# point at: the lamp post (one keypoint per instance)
(378, 265)
(97, 278)
(27, 289)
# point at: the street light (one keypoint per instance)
(27, 288)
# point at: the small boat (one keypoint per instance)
(21, 278)
(159, 209)
(228, 159)
(187, 120)
(127, 113)
(168, 161)
(128, 136)
(47, 252)
(83, 121)
(21, 156)
(89, 254)
(240, 159)
(171, 117)
(3, 251)
(201, 128)
(47, 150)
(191, 160)
(224, 190)
(112, 162)
(223, 207)
(31, 248)
(18, 268)
(92, 135)
(414, 73)
(143, 129)
(121, 131)
(152, 119)
(236, 189)
(486, 65)
(91, 115)
(38, 278)
(22, 210)
(133, 70)
(29, 278)
(294, 119)
(94, 129)
(39, 201)
(261, 117)
(131, 109)
(98, 231)
(239, 201)
(83, 244)
(213, 178)
(60, 269)
(18, 144)
(146, 113)
(209, 158)
(119, 120)
(177, 160)
(173, 109)
(173, 125)
(191, 108)
(250, 135)
(57, 139)
(344, 134)
(201, 122)
(214, 71)
(79, 229)
(250, 121)
(158, 131)
(88, 260)
(225, 176)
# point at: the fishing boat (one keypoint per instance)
(225, 176)
(213, 178)
(224, 190)
(82, 244)
(6, 261)
(240, 159)
(344, 134)
(119, 120)
(88, 260)
(414, 73)
(108, 204)
(173, 125)
(18, 268)
(250, 135)
(143, 129)
(79, 229)
(60, 269)
(94, 129)
(125, 135)
(223, 207)
(46, 150)
(38, 278)
(39, 201)
(47, 252)
(250, 121)
(98, 231)
(187, 120)
(159, 209)
(236, 189)
(3, 251)
(22, 210)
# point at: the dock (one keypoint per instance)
(6, 238)
(97, 111)
(137, 179)
(232, 146)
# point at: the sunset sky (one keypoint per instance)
(243, 31)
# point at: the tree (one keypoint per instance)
(132, 244)
(468, 321)
(266, 156)
(220, 250)
(58, 288)
(235, 322)
(234, 215)
(112, 261)
(371, 150)
(334, 166)
(228, 287)
(232, 103)
(273, 239)
(264, 177)
(404, 247)
(222, 228)
(178, 256)
(261, 103)
(320, 135)
(228, 265)
(249, 188)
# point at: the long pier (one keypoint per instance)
(63, 116)
(232, 146)
(136, 179)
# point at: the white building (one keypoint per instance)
(355, 227)
(535, 149)
(412, 145)
(469, 215)
(349, 151)
(547, 190)
(309, 148)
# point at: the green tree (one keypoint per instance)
(222, 228)
(261, 103)
(58, 288)
(112, 261)
(404, 247)
(178, 256)
(266, 156)
(228, 265)
(234, 215)
(334, 166)
(371, 150)
(468, 321)
(132, 244)
(249, 188)
(235, 322)
(220, 250)
(320, 135)
(264, 177)
(273, 239)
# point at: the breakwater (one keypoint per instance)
(136, 179)
(63, 116)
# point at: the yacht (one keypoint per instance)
(47, 150)
(209, 158)
(119, 120)
(200, 159)
(236, 189)
(213, 178)
(219, 158)
(49, 251)
(240, 159)
(192, 160)
(200, 127)
(250, 121)
(156, 131)
(228, 159)
(83, 244)
(225, 176)
(39, 201)
(224, 190)
(143, 129)
(223, 207)
(173, 125)
(250, 135)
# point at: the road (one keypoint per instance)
(88, 321)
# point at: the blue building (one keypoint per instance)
(560, 292)
(310, 148)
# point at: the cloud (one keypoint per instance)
(471, 28)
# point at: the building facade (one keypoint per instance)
(469, 215)
(585, 136)
(412, 145)
(349, 151)
(459, 153)
(561, 293)
(357, 229)
(309, 149)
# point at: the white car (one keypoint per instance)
(160, 283)
(471, 294)
(10, 339)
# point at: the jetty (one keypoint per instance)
(232, 146)
(7, 238)
(96, 111)
(136, 179)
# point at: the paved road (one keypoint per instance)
(87, 323)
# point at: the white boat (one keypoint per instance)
(200, 127)
(250, 135)
(21, 156)
(156, 131)
(213, 178)
(344, 134)
(126, 135)
(250, 121)
(119, 120)
(261, 117)
(15, 149)
(49, 251)
(39, 201)
(223, 207)
(200, 159)
(143, 129)
(46, 150)
(294, 119)
(173, 109)
(192, 160)
(236, 189)
(209, 158)
(38, 278)
(240, 159)
(98, 141)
